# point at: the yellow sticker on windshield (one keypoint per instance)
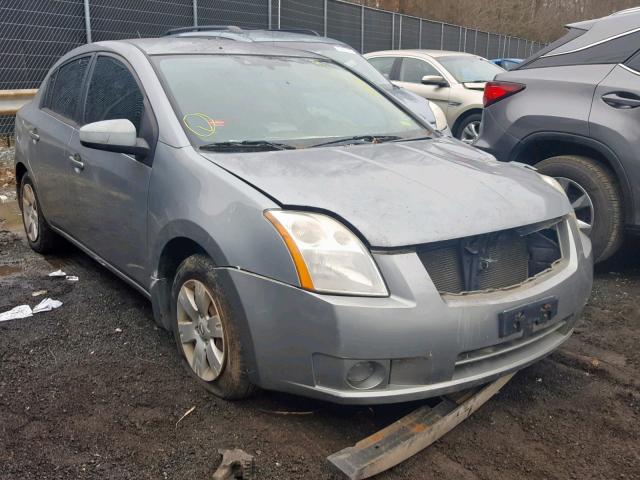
(201, 124)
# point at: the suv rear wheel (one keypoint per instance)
(595, 196)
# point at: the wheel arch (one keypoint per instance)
(171, 249)
(20, 171)
(542, 145)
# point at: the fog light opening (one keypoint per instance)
(366, 375)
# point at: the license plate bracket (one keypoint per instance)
(528, 317)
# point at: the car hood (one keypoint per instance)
(401, 194)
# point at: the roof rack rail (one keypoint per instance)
(202, 28)
(234, 28)
(307, 31)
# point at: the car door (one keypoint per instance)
(410, 73)
(615, 113)
(49, 126)
(110, 201)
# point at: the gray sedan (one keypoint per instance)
(293, 225)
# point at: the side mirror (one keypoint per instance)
(437, 80)
(118, 136)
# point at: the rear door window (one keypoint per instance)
(412, 70)
(384, 65)
(65, 88)
(113, 93)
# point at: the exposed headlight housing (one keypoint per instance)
(328, 257)
(554, 183)
(441, 119)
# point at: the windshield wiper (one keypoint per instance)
(415, 139)
(359, 139)
(246, 145)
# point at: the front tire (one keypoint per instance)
(594, 193)
(40, 236)
(205, 331)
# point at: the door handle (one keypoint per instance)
(623, 100)
(33, 133)
(76, 162)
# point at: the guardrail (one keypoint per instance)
(12, 100)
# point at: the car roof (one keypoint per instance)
(600, 30)
(210, 45)
(429, 53)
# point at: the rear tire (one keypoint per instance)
(469, 129)
(205, 331)
(601, 186)
(40, 236)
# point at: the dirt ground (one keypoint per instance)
(95, 390)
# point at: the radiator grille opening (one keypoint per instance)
(491, 261)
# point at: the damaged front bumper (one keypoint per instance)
(416, 343)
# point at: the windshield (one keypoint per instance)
(465, 68)
(346, 56)
(292, 101)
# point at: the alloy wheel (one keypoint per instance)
(581, 203)
(471, 132)
(201, 331)
(30, 212)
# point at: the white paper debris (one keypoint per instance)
(118, 330)
(21, 311)
(72, 278)
(58, 273)
(4, 199)
(38, 293)
(46, 305)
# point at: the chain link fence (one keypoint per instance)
(35, 33)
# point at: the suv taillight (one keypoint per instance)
(495, 91)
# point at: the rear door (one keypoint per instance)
(615, 115)
(49, 127)
(411, 71)
(111, 188)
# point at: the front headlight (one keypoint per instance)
(328, 257)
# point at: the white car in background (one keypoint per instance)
(453, 80)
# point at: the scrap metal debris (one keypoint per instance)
(188, 412)
(236, 464)
(412, 433)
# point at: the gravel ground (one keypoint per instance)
(95, 390)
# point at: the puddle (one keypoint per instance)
(10, 218)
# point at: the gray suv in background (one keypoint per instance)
(572, 111)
